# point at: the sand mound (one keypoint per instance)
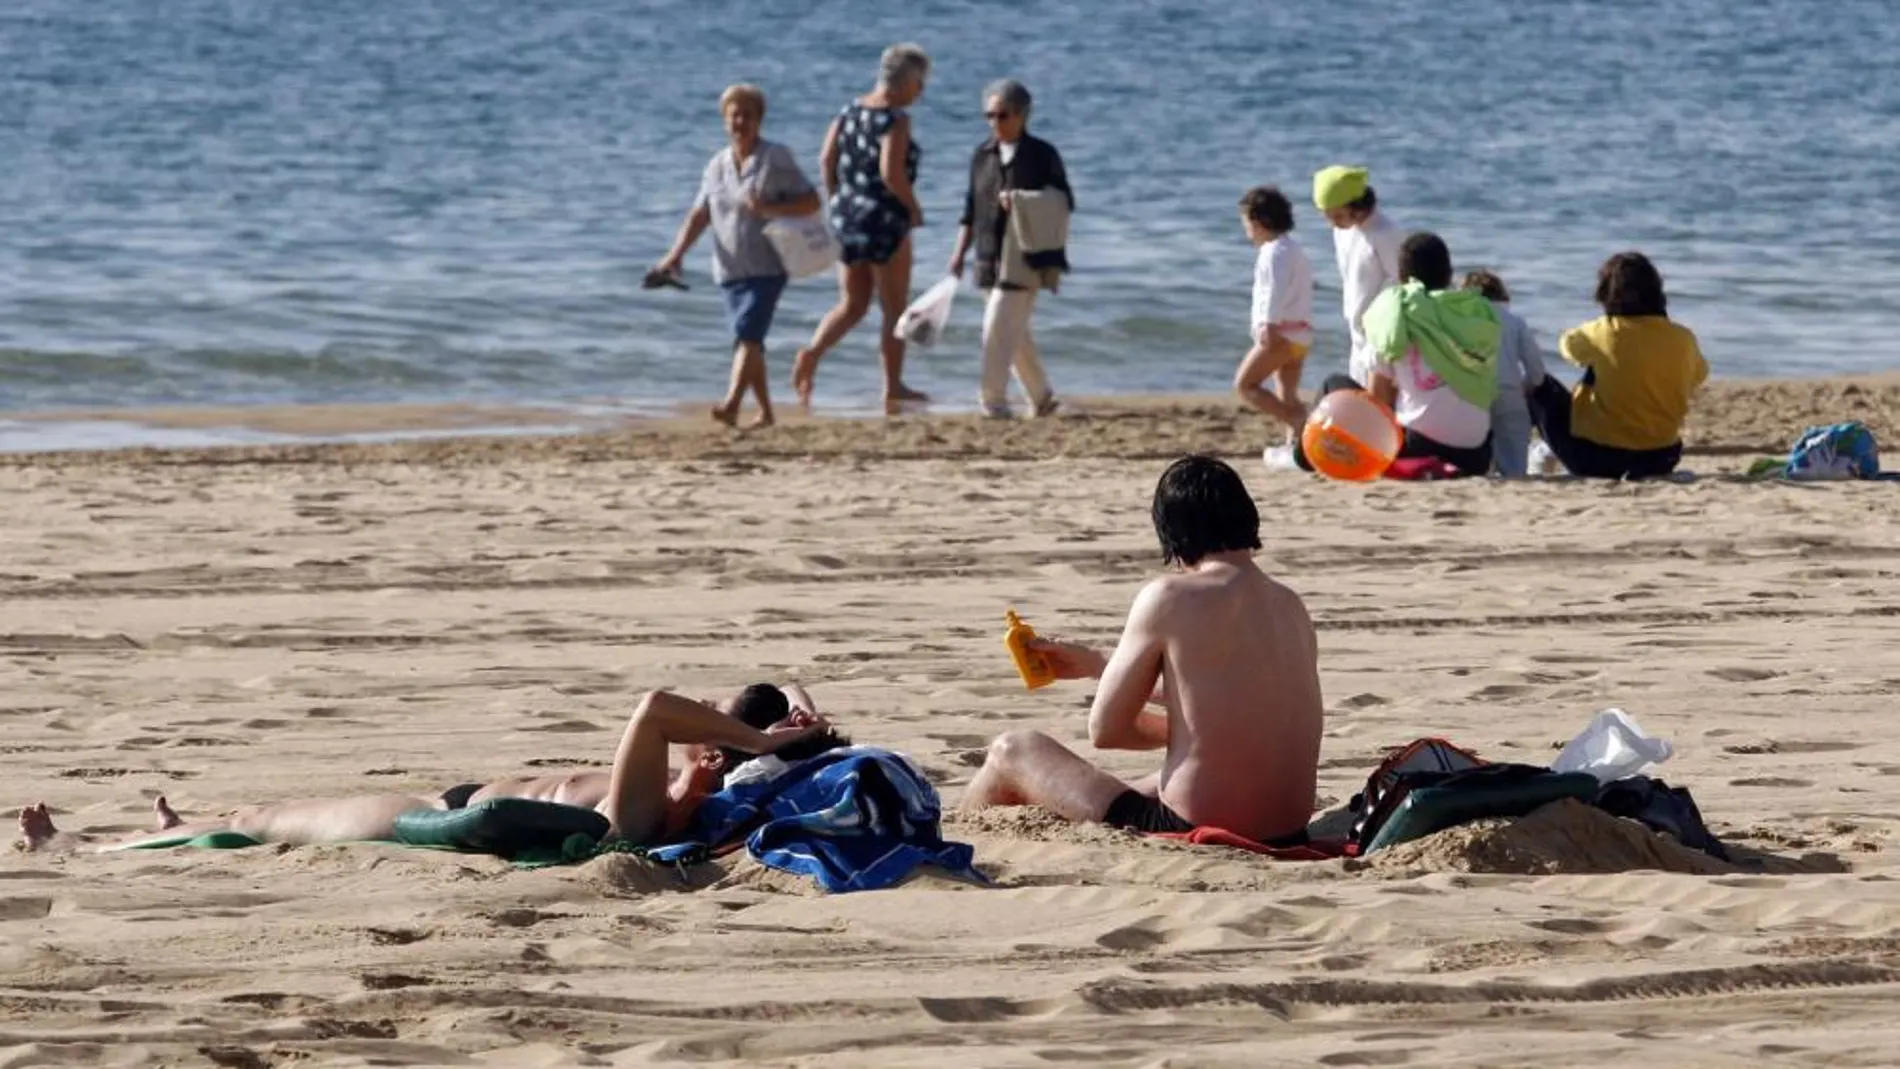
(627, 874)
(1564, 837)
(1034, 824)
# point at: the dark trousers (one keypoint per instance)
(1550, 410)
(1474, 461)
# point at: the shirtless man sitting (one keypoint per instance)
(1231, 657)
(642, 799)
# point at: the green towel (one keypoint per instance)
(506, 827)
(1456, 333)
(1767, 468)
(211, 840)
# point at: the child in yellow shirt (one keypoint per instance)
(1640, 370)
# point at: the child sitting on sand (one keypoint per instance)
(1438, 351)
(1520, 367)
(1640, 370)
(1282, 327)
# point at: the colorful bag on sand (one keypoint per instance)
(1842, 451)
(1373, 806)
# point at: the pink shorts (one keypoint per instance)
(1297, 333)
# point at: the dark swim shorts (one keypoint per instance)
(457, 797)
(1136, 811)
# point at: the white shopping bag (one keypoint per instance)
(923, 322)
(804, 243)
(1612, 747)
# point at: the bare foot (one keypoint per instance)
(727, 416)
(760, 422)
(894, 401)
(167, 816)
(36, 827)
(804, 376)
(1047, 407)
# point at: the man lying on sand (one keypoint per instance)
(643, 800)
(1227, 652)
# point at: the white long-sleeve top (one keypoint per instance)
(1368, 256)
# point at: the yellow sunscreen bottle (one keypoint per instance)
(1033, 667)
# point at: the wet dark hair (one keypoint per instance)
(761, 705)
(1269, 207)
(1367, 201)
(1424, 257)
(1487, 283)
(1629, 285)
(1201, 507)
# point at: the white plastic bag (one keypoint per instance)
(923, 322)
(1611, 748)
(804, 243)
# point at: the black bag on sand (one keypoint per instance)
(1663, 809)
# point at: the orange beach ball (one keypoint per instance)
(1350, 436)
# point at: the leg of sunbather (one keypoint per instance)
(38, 835)
(364, 818)
(37, 832)
(638, 802)
(1030, 768)
(367, 818)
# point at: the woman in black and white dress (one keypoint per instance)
(870, 166)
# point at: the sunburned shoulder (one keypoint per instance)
(1183, 603)
(1213, 583)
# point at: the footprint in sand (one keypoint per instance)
(1138, 937)
(1768, 746)
(25, 909)
(1571, 926)
(960, 741)
(1567, 658)
(565, 727)
(1743, 674)
(1366, 1057)
(395, 937)
(392, 981)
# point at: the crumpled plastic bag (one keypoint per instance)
(1612, 747)
(923, 322)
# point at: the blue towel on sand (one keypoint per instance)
(855, 819)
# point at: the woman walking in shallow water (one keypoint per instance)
(870, 165)
(748, 183)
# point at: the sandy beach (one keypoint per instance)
(253, 624)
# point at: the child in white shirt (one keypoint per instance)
(1520, 368)
(1366, 246)
(1282, 323)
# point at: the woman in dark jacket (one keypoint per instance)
(1009, 161)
